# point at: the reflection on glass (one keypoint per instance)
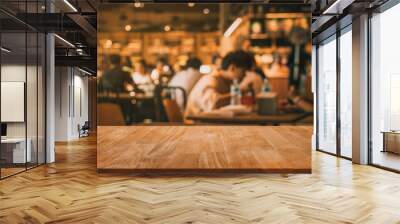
(22, 91)
(346, 94)
(31, 100)
(327, 96)
(15, 150)
(41, 99)
(385, 89)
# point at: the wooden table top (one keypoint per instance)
(252, 118)
(204, 149)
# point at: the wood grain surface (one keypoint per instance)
(71, 191)
(205, 148)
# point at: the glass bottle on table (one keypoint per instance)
(236, 94)
(266, 87)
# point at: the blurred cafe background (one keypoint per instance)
(192, 63)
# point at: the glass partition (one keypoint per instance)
(22, 92)
(41, 97)
(385, 89)
(15, 151)
(327, 95)
(346, 93)
(32, 96)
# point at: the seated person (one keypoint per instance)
(140, 75)
(213, 91)
(186, 79)
(115, 79)
(216, 62)
(162, 72)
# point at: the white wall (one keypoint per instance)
(33, 127)
(71, 103)
(16, 73)
(62, 81)
(80, 112)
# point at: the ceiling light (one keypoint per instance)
(337, 7)
(191, 4)
(84, 71)
(70, 5)
(206, 11)
(233, 27)
(128, 28)
(167, 28)
(65, 41)
(5, 50)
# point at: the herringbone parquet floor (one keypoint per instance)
(71, 191)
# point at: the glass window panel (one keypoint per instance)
(14, 153)
(32, 86)
(23, 84)
(32, 97)
(346, 94)
(385, 88)
(327, 96)
(41, 98)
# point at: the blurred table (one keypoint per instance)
(391, 141)
(279, 83)
(252, 118)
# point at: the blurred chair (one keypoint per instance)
(167, 107)
(109, 114)
(84, 129)
(173, 111)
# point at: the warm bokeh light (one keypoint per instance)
(128, 28)
(139, 4)
(167, 28)
(108, 44)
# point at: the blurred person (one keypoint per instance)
(298, 102)
(161, 71)
(178, 67)
(126, 64)
(243, 43)
(157, 70)
(216, 62)
(186, 78)
(212, 91)
(300, 38)
(115, 79)
(278, 67)
(140, 75)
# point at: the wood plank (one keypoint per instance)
(204, 148)
(71, 191)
